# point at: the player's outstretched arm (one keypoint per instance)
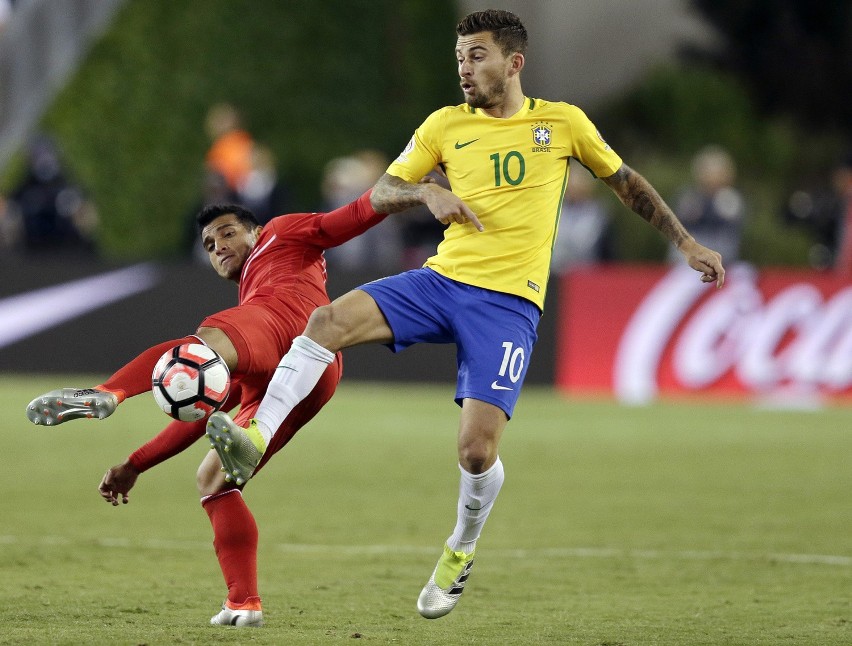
(637, 193)
(392, 195)
(173, 439)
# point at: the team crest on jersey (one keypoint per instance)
(542, 134)
(403, 156)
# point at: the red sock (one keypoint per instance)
(135, 377)
(235, 541)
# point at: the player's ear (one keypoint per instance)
(254, 233)
(516, 64)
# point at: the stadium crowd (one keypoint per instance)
(48, 211)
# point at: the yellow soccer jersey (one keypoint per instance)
(512, 173)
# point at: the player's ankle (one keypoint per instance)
(250, 603)
(256, 434)
(120, 395)
(263, 430)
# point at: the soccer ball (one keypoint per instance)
(190, 382)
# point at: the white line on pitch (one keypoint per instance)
(361, 550)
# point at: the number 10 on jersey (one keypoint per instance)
(510, 169)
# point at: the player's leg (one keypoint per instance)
(480, 481)
(237, 551)
(480, 429)
(397, 311)
(65, 404)
(233, 438)
(494, 335)
(245, 338)
(235, 538)
(352, 319)
(218, 341)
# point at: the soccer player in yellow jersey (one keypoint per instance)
(506, 156)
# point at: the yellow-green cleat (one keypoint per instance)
(441, 594)
(240, 449)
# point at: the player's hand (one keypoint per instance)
(447, 207)
(705, 260)
(117, 482)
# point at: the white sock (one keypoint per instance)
(297, 374)
(476, 498)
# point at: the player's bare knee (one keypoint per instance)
(325, 328)
(477, 457)
(219, 342)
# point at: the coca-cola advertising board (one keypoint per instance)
(642, 332)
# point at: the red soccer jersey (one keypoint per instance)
(287, 259)
(281, 283)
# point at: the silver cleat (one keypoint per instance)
(435, 601)
(65, 404)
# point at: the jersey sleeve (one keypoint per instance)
(173, 439)
(330, 229)
(423, 151)
(589, 147)
(176, 437)
(350, 221)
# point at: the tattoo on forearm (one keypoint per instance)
(644, 206)
(392, 195)
(636, 193)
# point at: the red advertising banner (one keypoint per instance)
(639, 332)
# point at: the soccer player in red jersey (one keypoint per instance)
(280, 270)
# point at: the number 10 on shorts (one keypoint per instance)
(513, 361)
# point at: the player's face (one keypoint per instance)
(483, 69)
(228, 243)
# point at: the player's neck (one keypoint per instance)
(512, 102)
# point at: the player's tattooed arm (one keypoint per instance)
(637, 194)
(392, 195)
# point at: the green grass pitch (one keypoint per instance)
(675, 523)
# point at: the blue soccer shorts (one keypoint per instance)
(494, 332)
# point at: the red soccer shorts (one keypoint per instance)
(262, 332)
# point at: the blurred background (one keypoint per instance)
(119, 119)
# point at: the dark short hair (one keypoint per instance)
(213, 211)
(507, 29)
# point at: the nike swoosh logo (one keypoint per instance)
(467, 143)
(472, 508)
(25, 315)
(496, 386)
